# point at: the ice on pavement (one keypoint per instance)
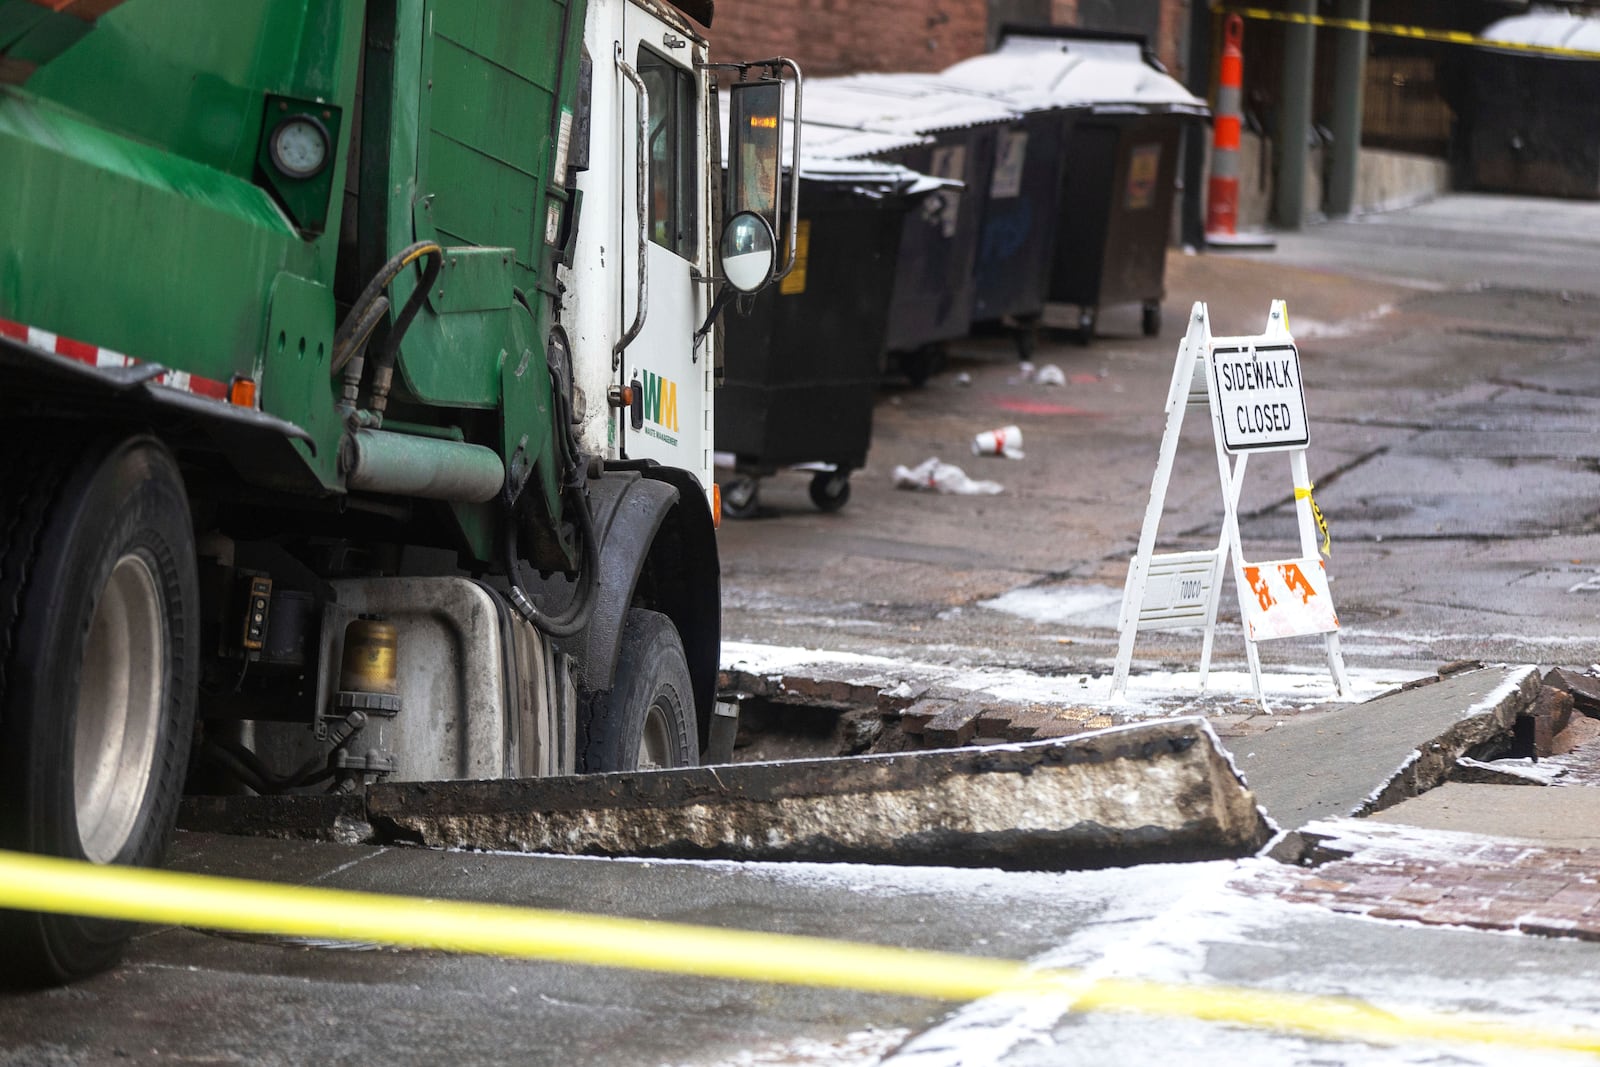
(1195, 924)
(1189, 924)
(1153, 693)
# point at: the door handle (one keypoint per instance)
(641, 178)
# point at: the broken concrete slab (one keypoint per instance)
(1584, 688)
(1522, 771)
(1550, 714)
(1569, 818)
(1367, 757)
(339, 818)
(1118, 797)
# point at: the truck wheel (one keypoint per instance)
(647, 718)
(99, 657)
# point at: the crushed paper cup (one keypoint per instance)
(1050, 374)
(1005, 441)
(936, 476)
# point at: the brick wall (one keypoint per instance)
(845, 36)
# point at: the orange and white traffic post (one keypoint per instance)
(1222, 193)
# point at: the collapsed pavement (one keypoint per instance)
(1161, 791)
(1164, 791)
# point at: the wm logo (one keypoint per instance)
(661, 401)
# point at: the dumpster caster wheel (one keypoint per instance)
(919, 366)
(1026, 336)
(1152, 319)
(1086, 319)
(830, 490)
(741, 497)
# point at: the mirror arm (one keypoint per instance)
(641, 179)
(723, 297)
(794, 170)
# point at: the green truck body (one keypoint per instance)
(317, 401)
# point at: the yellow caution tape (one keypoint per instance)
(1390, 29)
(1316, 516)
(49, 884)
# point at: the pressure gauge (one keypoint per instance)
(299, 146)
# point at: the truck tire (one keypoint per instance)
(646, 720)
(99, 657)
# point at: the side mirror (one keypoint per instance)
(755, 150)
(749, 251)
(755, 202)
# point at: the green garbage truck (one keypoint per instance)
(356, 371)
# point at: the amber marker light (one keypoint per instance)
(716, 506)
(242, 393)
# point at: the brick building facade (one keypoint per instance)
(845, 36)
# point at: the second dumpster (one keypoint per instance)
(1526, 121)
(950, 134)
(1123, 116)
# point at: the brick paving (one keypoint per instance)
(1442, 878)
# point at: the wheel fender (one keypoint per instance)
(687, 584)
(627, 510)
(658, 549)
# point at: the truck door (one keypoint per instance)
(671, 419)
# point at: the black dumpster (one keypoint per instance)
(949, 134)
(1526, 122)
(801, 369)
(1121, 118)
(1016, 242)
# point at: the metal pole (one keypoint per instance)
(1294, 116)
(1349, 79)
(1197, 78)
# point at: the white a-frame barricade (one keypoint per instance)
(1252, 387)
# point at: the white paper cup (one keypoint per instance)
(1005, 441)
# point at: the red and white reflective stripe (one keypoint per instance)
(95, 356)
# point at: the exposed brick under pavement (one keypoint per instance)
(1385, 871)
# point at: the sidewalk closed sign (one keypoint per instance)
(1259, 399)
(1252, 391)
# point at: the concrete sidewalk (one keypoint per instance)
(1375, 827)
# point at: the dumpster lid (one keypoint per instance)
(871, 178)
(1549, 29)
(1107, 75)
(841, 142)
(900, 104)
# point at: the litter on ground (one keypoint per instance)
(936, 476)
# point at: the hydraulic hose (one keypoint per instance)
(575, 616)
(572, 619)
(247, 767)
(371, 307)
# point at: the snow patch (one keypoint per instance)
(1082, 605)
(1157, 693)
